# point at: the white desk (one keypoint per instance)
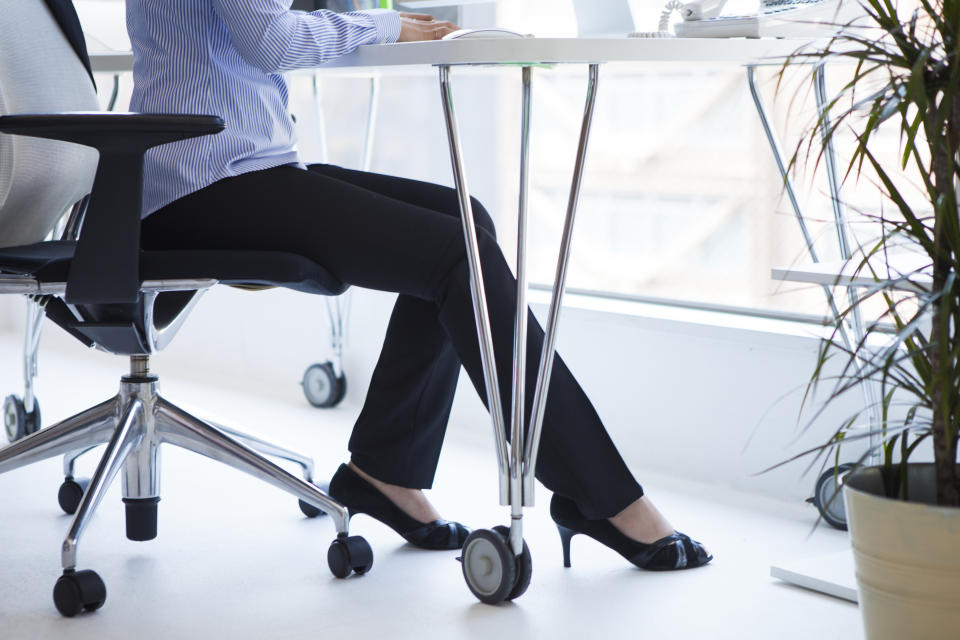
(516, 465)
(569, 51)
(534, 50)
(114, 62)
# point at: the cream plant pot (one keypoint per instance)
(907, 556)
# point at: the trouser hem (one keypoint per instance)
(372, 466)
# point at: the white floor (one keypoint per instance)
(235, 559)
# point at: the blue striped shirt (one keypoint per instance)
(227, 58)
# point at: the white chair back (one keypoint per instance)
(39, 73)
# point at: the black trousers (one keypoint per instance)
(405, 236)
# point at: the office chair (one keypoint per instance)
(109, 294)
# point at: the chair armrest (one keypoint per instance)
(105, 267)
(102, 129)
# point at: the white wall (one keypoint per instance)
(705, 396)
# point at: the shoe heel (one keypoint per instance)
(565, 536)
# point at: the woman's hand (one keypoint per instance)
(420, 26)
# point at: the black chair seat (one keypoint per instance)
(50, 262)
(31, 259)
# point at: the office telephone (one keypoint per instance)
(773, 18)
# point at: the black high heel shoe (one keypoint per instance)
(359, 496)
(675, 551)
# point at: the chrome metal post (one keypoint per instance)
(830, 158)
(321, 121)
(778, 157)
(372, 107)
(869, 388)
(31, 344)
(520, 329)
(338, 307)
(70, 460)
(141, 470)
(114, 92)
(179, 428)
(139, 367)
(125, 439)
(86, 429)
(839, 217)
(338, 312)
(477, 292)
(556, 299)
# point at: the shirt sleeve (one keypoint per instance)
(272, 38)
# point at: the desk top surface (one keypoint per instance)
(570, 50)
(537, 51)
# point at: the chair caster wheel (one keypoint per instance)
(827, 498)
(71, 493)
(349, 554)
(311, 511)
(17, 422)
(322, 387)
(524, 565)
(492, 573)
(78, 591)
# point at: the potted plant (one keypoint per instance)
(904, 516)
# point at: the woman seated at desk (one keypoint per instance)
(247, 189)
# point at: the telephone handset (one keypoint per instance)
(695, 10)
(702, 9)
(773, 18)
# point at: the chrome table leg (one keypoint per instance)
(869, 388)
(556, 300)
(856, 324)
(338, 312)
(517, 475)
(372, 107)
(477, 291)
(114, 92)
(321, 121)
(520, 327)
(338, 307)
(483, 557)
(179, 428)
(778, 158)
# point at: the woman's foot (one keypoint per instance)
(411, 501)
(642, 522)
(406, 511)
(633, 533)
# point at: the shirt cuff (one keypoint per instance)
(387, 24)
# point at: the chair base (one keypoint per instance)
(133, 425)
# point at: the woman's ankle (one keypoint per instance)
(642, 522)
(413, 502)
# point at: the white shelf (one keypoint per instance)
(831, 573)
(907, 272)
